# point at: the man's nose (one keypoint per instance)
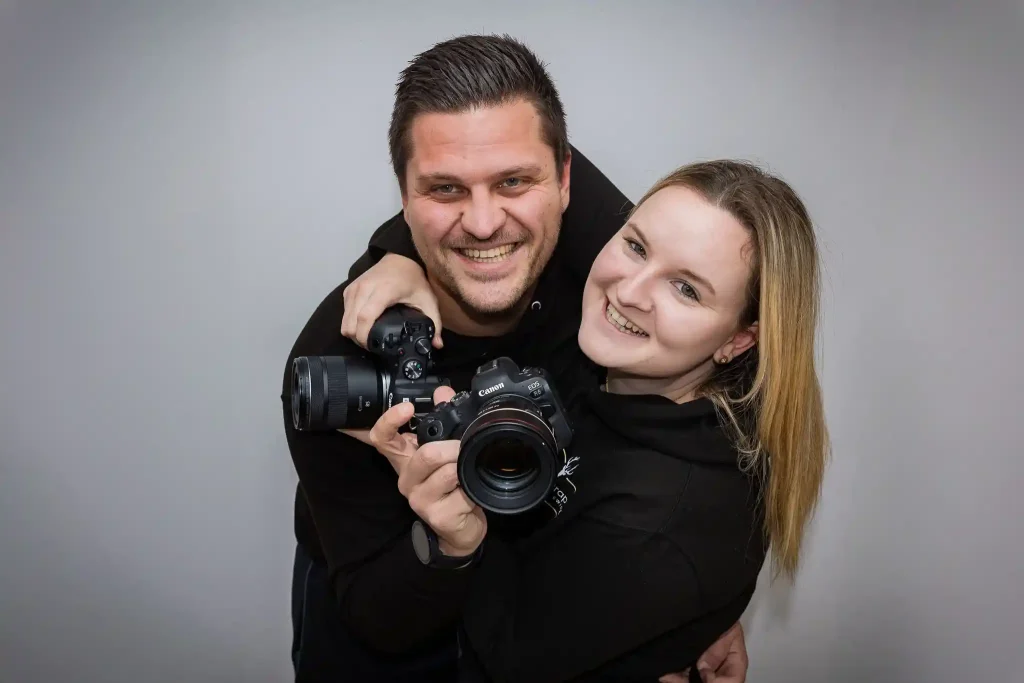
(483, 215)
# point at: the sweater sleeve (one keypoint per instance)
(593, 592)
(388, 599)
(597, 210)
(393, 237)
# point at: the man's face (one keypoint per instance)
(484, 203)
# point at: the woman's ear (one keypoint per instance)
(737, 344)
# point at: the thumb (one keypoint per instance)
(443, 393)
(386, 428)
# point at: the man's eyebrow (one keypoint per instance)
(686, 272)
(437, 178)
(527, 170)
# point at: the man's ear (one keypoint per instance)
(564, 185)
(738, 343)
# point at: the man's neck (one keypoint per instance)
(456, 318)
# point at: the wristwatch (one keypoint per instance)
(425, 544)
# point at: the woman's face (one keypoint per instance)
(664, 297)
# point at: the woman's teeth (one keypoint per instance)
(620, 321)
(489, 255)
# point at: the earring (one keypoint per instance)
(723, 360)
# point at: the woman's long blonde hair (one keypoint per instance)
(770, 396)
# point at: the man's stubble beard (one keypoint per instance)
(441, 274)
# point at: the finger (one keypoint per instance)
(716, 654)
(675, 678)
(424, 462)
(732, 670)
(442, 394)
(355, 297)
(429, 498)
(369, 310)
(346, 316)
(385, 430)
(452, 517)
(427, 304)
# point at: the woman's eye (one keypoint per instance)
(687, 290)
(635, 247)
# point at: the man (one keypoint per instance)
(479, 147)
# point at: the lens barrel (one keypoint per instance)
(336, 392)
(507, 457)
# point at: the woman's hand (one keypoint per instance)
(393, 280)
(724, 662)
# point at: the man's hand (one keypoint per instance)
(429, 480)
(724, 662)
(392, 280)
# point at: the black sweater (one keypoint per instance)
(655, 553)
(349, 514)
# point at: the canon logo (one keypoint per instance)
(490, 390)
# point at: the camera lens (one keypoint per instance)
(507, 457)
(336, 392)
(506, 464)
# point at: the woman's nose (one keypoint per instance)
(634, 292)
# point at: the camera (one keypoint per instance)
(513, 429)
(514, 433)
(353, 391)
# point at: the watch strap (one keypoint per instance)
(427, 547)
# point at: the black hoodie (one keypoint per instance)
(655, 553)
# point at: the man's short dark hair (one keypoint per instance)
(470, 71)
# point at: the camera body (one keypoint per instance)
(514, 432)
(402, 338)
(337, 392)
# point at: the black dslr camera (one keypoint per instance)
(338, 392)
(514, 435)
(511, 423)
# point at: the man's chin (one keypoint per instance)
(491, 300)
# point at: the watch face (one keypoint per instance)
(420, 542)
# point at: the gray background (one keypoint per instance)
(181, 183)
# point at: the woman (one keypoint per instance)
(705, 446)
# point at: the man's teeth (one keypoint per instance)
(622, 322)
(489, 255)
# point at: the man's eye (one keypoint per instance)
(443, 189)
(511, 183)
(635, 247)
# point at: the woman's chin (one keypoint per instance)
(600, 349)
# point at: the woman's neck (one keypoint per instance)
(679, 389)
